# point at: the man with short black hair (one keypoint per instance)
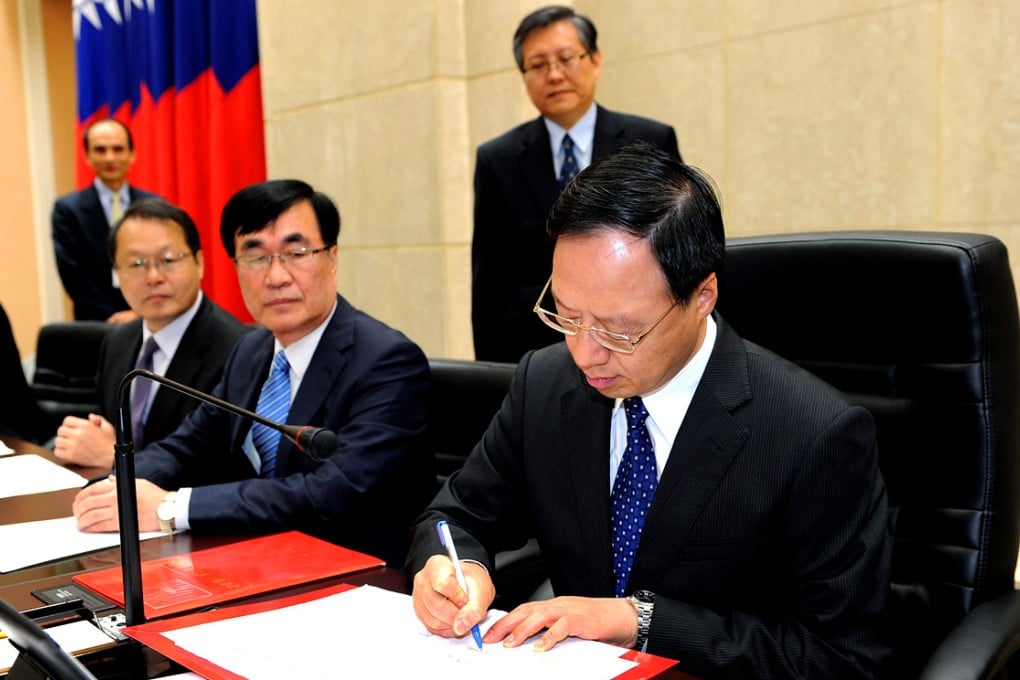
(519, 174)
(693, 494)
(81, 222)
(180, 332)
(317, 361)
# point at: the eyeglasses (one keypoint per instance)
(299, 258)
(624, 343)
(165, 264)
(566, 63)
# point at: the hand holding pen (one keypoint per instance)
(447, 540)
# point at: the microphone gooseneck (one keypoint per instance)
(318, 443)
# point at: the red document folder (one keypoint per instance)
(151, 635)
(194, 580)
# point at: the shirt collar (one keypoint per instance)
(169, 336)
(582, 133)
(668, 405)
(299, 353)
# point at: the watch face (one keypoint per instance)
(644, 596)
(165, 511)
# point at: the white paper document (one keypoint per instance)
(75, 637)
(22, 475)
(28, 543)
(371, 632)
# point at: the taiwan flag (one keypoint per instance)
(184, 76)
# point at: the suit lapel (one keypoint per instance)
(587, 416)
(704, 448)
(608, 133)
(187, 361)
(536, 164)
(324, 371)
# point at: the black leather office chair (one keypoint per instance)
(922, 329)
(66, 363)
(465, 397)
(20, 414)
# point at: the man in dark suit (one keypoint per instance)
(158, 255)
(519, 174)
(693, 494)
(81, 223)
(318, 361)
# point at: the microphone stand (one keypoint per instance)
(318, 443)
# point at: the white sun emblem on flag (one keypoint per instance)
(88, 10)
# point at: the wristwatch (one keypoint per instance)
(167, 513)
(644, 603)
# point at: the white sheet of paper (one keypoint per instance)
(371, 632)
(28, 543)
(22, 475)
(77, 636)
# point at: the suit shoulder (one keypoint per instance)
(123, 335)
(630, 120)
(374, 332)
(226, 323)
(74, 198)
(781, 377)
(509, 141)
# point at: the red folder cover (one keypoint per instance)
(205, 577)
(151, 635)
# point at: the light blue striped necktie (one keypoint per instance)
(274, 404)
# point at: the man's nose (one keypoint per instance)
(586, 351)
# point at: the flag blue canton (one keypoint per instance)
(163, 44)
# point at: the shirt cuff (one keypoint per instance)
(181, 509)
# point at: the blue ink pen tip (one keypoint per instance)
(477, 635)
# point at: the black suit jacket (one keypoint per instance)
(369, 384)
(80, 231)
(198, 362)
(765, 542)
(511, 256)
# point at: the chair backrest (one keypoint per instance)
(922, 329)
(66, 364)
(465, 397)
(20, 415)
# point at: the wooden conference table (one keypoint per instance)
(16, 587)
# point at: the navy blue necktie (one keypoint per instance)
(570, 167)
(632, 491)
(274, 404)
(140, 391)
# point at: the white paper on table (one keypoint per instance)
(74, 637)
(22, 475)
(371, 632)
(28, 543)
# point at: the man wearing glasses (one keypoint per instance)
(519, 174)
(693, 495)
(181, 333)
(318, 361)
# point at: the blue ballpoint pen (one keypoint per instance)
(447, 540)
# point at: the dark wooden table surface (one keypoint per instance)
(16, 587)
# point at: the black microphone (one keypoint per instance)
(318, 442)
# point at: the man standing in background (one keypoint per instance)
(519, 175)
(81, 223)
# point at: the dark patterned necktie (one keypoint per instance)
(632, 491)
(140, 391)
(274, 404)
(570, 167)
